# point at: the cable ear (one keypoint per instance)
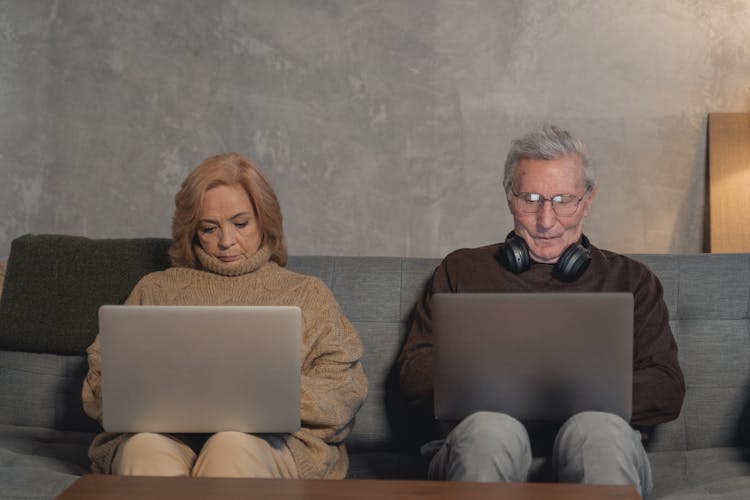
(514, 254)
(515, 257)
(574, 261)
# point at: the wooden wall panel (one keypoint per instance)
(729, 177)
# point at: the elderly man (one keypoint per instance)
(550, 187)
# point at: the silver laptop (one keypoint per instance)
(534, 356)
(200, 368)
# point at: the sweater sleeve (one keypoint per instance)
(92, 384)
(658, 384)
(334, 385)
(415, 362)
(91, 393)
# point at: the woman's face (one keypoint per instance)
(228, 228)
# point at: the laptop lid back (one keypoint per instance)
(200, 368)
(534, 356)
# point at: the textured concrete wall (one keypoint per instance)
(383, 125)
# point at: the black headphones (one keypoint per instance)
(569, 267)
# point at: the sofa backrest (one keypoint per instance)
(708, 296)
(377, 294)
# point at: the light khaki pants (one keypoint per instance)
(225, 454)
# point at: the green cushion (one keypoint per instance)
(54, 285)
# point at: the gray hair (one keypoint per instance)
(547, 143)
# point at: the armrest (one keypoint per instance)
(2, 277)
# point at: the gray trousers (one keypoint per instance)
(590, 447)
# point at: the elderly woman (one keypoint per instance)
(229, 248)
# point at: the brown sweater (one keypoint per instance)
(658, 385)
(333, 385)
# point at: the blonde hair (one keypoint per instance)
(230, 169)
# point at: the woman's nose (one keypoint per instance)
(226, 240)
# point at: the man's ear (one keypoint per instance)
(589, 200)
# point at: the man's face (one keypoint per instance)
(546, 233)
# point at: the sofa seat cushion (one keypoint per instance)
(733, 488)
(37, 462)
(32, 483)
(676, 471)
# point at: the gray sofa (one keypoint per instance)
(54, 284)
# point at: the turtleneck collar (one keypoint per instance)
(214, 265)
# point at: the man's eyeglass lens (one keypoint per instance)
(562, 204)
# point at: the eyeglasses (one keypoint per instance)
(564, 205)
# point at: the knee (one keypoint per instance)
(232, 454)
(597, 447)
(142, 441)
(143, 445)
(596, 425)
(227, 442)
(487, 432)
(225, 439)
(484, 447)
(595, 430)
(151, 454)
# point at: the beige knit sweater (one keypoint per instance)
(333, 383)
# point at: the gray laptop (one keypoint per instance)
(534, 356)
(200, 368)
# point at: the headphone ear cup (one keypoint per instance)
(572, 263)
(515, 254)
(570, 266)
